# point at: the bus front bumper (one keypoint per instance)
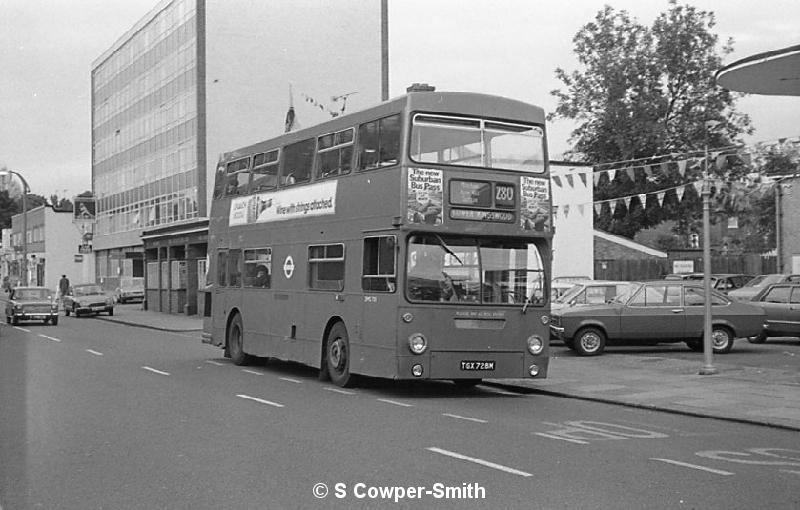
(473, 365)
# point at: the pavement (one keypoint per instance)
(756, 395)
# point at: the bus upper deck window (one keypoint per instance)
(265, 171)
(297, 161)
(379, 143)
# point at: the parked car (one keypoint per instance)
(561, 284)
(130, 288)
(88, 298)
(655, 312)
(781, 302)
(590, 292)
(724, 282)
(750, 289)
(32, 303)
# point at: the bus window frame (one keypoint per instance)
(247, 280)
(283, 177)
(326, 260)
(358, 152)
(336, 147)
(240, 189)
(391, 279)
(222, 268)
(276, 164)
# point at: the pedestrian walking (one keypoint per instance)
(63, 287)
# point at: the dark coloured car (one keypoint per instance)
(648, 313)
(781, 302)
(88, 298)
(32, 304)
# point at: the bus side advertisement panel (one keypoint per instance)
(314, 200)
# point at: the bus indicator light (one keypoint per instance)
(533, 370)
(417, 343)
(408, 317)
(416, 370)
(545, 319)
(535, 344)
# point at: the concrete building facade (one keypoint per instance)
(195, 78)
(573, 240)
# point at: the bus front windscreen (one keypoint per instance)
(472, 270)
(477, 142)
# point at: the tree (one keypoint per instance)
(647, 92)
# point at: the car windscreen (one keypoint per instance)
(32, 294)
(87, 290)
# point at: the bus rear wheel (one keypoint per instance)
(337, 355)
(235, 344)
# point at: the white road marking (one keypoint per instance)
(289, 379)
(464, 418)
(155, 371)
(251, 372)
(552, 436)
(22, 329)
(337, 390)
(790, 471)
(260, 400)
(695, 466)
(50, 338)
(479, 461)
(90, 351)
(217, 363)
(394, 402)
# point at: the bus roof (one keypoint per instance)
(469, 103)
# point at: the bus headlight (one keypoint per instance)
(417, 343)
(416, 370)
(535, 344)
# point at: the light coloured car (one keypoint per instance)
(649, 313)
(130, 288)
(88, 298)
(31, 304)
(750, 289)
(590, 292)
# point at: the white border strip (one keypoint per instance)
(155, 371)
(395, 402)
(54, 339)
(695, 466)
(464, 418)
(479, 461)
(96, 353)
(260, 400)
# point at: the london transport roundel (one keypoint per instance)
(288, 267)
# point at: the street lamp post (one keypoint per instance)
(25, 190)
(708, 344)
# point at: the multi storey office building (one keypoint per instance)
(195, 78)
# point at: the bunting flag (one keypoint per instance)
(721, 162)
(598, 206)
(583, 178)
(596, 177)
(660, 196)
(682, 167)
(680, 190)
(648, 171)
(571, 183)
(611, 174)
(556, 180)
(698, 186)
(643, 200)
(581, 209)
(627, 202)
(665, 167)
(631, 174)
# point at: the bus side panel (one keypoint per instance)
(377, 349)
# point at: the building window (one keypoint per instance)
(335, 153)
(258, 268)
(379, 270)
(326, 267)
(379, 143)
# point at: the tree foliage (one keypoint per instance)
(646, 92)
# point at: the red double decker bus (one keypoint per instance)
(410, 240)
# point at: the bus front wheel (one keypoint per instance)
(337, 355)
(235, 344)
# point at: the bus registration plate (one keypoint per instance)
(477, 365)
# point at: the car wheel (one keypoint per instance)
(589, 342)
(721, 340)
(695, 345)
(337, 355)
(758, 339)
(111, 312)
(235, 342)
(54, 321)
(15, 320)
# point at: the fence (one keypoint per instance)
(648, 269)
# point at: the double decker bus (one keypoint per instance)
(409, 240)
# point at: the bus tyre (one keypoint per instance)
(337, 355)
(234, 342)
(589, 342)
(721, 339)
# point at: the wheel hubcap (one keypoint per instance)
(720, 339)
(337, 353)
(590, 342)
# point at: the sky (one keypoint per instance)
(504, 47)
